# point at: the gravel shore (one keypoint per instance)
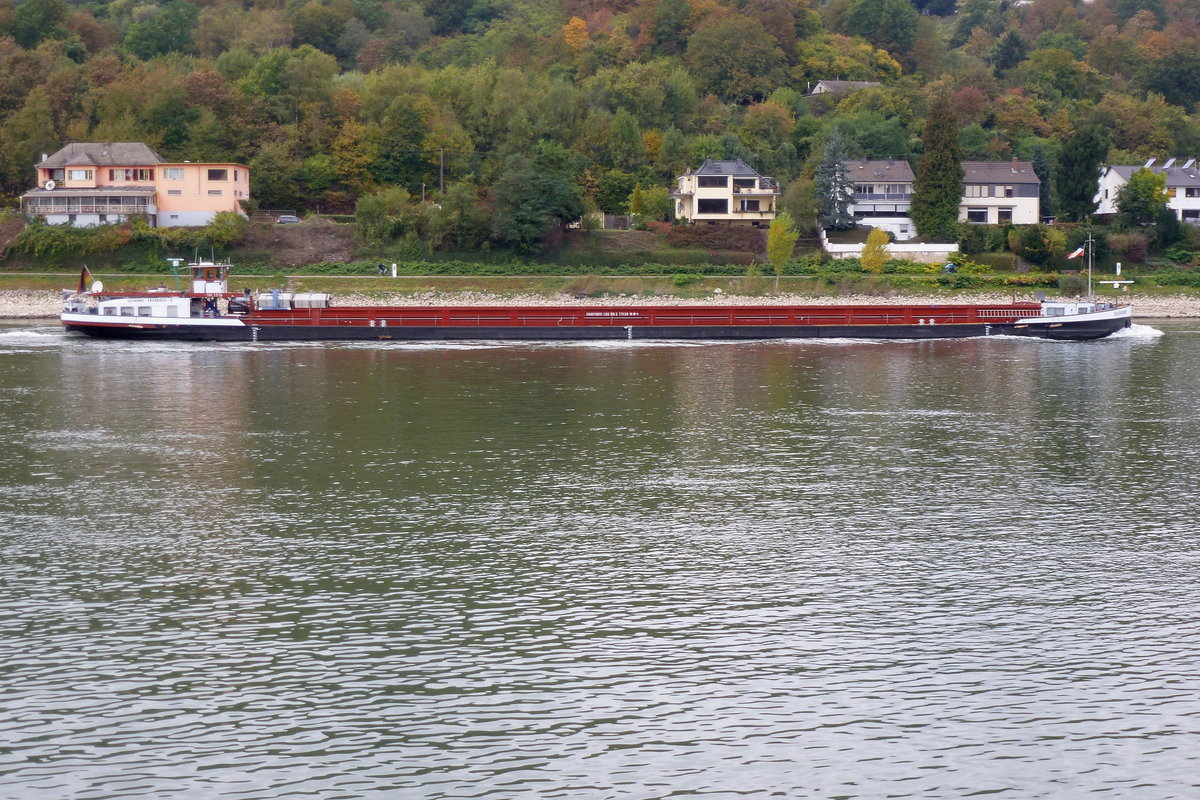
(47, 304)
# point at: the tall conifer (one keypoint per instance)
(833, 187)
(938, 188)
(1077, 179)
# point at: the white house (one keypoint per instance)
(882, 195)
(1000, 193)
(839, 88)
(725, 193)
(1183, 187)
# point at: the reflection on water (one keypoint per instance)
(618, 570)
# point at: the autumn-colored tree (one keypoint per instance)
(781, 243)
(875, 253)
(575, 34)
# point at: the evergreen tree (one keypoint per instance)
(1077, 178)
(1041, 168)
(938, 188)
(833, 186)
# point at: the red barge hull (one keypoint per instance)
(565, 323)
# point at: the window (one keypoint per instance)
(1004, 216)
(235, 176)
(215, 191)
(710, 182)
(110, 312)
(143, 311)
(750, 205)
(79, 174)
(174, 191)
(975, 190)
(131, 174)
(977, 215)
(173, 173)
(218, 174)
(1004, 191)
(55, 174)
(864, 188)
(1192, 191)
(706, 206)
(126, 311)
(898, 188)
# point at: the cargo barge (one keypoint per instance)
(210, 312)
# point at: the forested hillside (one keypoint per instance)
(525, 110)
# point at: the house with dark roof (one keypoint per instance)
(725, 193)
(1000, 193)
(94, 183)
(1182, 179)
(882, 195)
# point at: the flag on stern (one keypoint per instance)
(1076, 253)
(85, 280)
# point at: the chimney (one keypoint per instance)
(44, 156)
(1015, 168)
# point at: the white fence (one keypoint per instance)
(924, 253)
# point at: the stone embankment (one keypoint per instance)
(26, 304)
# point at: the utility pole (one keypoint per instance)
(442, 170)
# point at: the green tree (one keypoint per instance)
(1077, 178)
(1143, 197)
(1041, 168)
(890, 24)
(169, 30)
(534, 196)
(401, 151)
(736, 59)
(875, 253)
(833, 186)
(781, 243)
(625, 140)
(938, 187)
(35, 20)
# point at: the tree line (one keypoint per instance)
(516, 114)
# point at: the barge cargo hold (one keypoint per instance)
(209, 312)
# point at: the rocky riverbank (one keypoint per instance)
(27, 304)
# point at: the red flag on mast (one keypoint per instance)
(85, 280)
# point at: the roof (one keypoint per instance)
(736, 167)
(1176, 175)
(102, 154)
(841, 87)
(999, 172)
(892, 171)
(98, 191)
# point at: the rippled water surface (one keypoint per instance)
(754, 570)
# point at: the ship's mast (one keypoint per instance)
(1091, 246)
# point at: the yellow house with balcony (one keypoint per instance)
(725, 193)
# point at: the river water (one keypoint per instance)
(621, 570)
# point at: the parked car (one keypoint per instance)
(286, 219)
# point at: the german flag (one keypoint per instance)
(85, 280)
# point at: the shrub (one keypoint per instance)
(686, 279)
(1071, 284)
(1128, 245)
(1179, 255)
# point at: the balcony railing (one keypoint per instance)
(862, 196)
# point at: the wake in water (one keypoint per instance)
(1136, 331)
